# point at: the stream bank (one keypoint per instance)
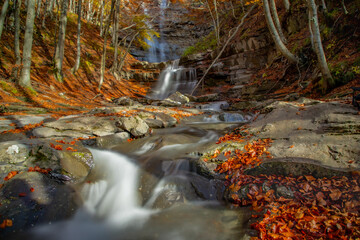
(309, 137)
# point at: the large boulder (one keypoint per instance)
(178, 97)
(31, 199)
(134, 125)
(67, 162)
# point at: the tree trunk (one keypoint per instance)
(344, 7)
(103, 57)
(275, 35)
(77, 61)
(3, 15)
(38, 7)
(277, 20)
(223, 48)
(328, 80)
(17, 38)
(217, 21)
(215, 24)
(116, 35)
(59, 55)
(287, 5)
(323, 5)
(28, 40)
(102, 17)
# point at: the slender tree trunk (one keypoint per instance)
(28, 40)
(275, 35)
(59, 55)
(329, 81)
(214, 21)
(77, 61)
(116, 35)
(217, 21)
(287, 5)
(277, 20)
(17, 38)
(38, 7)
(344, 7)
(103, 57)
(70, 5)
(3, 15)
(323, 5)
(102, 17)
(223, 48)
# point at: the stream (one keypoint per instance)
(150, 189)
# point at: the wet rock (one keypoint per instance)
(282, 191)
(208, 98)
(91, 125)
(49, 201)
(46, 132)
(232, 117)
(154, 123)
(135, 125)
(168, 121)
(110, 141)
(125, 101)
(178, 97)
(243, 105)
(170, 103)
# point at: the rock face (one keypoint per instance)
(310, 137)
(176, 31)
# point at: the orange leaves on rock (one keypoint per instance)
(6, 223)
(56, 147)
(130, 140)
(291, 146)
(38, 169)
(32, 189)
(24, 128)
(241, 160)
(71, 149)
(11, 175)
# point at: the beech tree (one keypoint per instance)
(78, 42)
(275, 35)
(103, 57)
(28, 40)
(17, 39)
(3, 15)
(59, 54)
(317, 44)
(275, 16)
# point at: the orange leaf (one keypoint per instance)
(291, 146)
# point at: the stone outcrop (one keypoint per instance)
(322, 134)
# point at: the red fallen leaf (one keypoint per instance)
(32, 189)
(22, 194)
(351, 161)
(58, 147)
(205, 159)
(310, 178)
(291, 146)
(335, 194)
(8, 222)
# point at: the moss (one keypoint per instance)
(206, 43)
(8, 88)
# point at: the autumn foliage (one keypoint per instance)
(319, 208)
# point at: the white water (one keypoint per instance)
(111, 202)
(174, 78)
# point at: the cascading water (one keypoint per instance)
(159, 50)
(157, 194)
(174, 78)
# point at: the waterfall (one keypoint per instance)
(174, 78)
(159, 50)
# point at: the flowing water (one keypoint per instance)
(150, 189)
(174, 78)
